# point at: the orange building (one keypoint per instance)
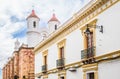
(21, 64)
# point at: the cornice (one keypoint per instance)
(25, 48)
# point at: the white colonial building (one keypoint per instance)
(87, 46)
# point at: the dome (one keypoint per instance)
(53, 18)
(33, 15)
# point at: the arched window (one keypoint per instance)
(34, 24)
(55, 27)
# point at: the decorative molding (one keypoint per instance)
(45, 76)
(89, 65)
(93, 22)
(45, 53)
(109, 56)
(61, 43)
(62, 74)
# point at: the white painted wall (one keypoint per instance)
(53, 76)
(74, 75)
(109, 41)
(109, 70)
(52, 56)
(74, 45)
(33, 38)
(38, 63)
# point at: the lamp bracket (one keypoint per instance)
(96, 26)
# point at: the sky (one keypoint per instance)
(13, 16)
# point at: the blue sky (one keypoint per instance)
(13, 16)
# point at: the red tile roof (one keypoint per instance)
(53, 18)
(33, 15)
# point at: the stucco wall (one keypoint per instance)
(38, 62)
(74, 45)
(75, 75)
(109, 41)
(109, 70)
(52, 56)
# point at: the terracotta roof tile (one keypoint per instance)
(33, 15)
(53, 18)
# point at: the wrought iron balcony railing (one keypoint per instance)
(60, 63)
(44, 68)
(88, 53)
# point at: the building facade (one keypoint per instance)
(85, 47)
(20, 65)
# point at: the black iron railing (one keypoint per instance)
(44, 68)
(60, 63)
(88, 53)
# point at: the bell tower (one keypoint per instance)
(33, 34)
(53, 23)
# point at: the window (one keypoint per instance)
(89, 38)
(45, 53)
(90, 75)
(44, 66)
(89, 44)
(90, 71)
(45, 60)
(61, 49)
(34, 24)
(61, 77)
(55, 27)
(62, 52)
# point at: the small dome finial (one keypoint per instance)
(33, 11)
(53, 12)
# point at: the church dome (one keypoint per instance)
(33, 15)
(53, 18)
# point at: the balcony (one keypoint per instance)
(44, 68)
(88, 55)
(60, 63)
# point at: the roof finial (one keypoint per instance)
(33, 11)
(53, 13)
(33, 7)
(53, 10)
